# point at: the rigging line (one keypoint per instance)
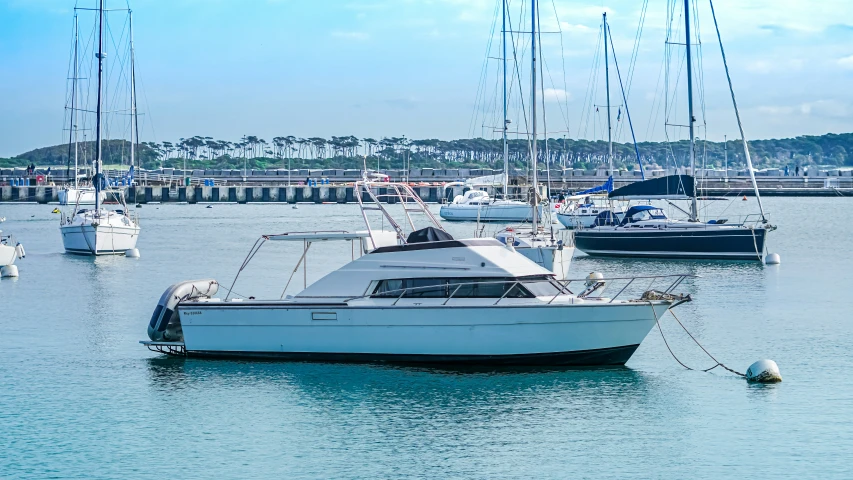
(589, 94)
(737, 113)
(517, 72)
(563, 61)
(625, 101)
(483, 73)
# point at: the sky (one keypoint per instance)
(374, 68)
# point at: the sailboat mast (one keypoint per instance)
(72, 133)
(607, 89)
(535, 199)
(506, 147)
(97, 177)
(134, 130)
(694, 208)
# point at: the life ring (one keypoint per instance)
(40, 178)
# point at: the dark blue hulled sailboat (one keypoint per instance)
(646, 231)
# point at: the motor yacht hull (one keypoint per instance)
(516, 212)
(456, 333)
(99, 240)
(700, 242)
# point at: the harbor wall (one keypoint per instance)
(430, 193)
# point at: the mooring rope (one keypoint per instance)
(717, 362)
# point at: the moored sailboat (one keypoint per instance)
(100, 231)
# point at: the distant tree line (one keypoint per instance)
(396, 152)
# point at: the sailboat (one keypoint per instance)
(534, 241)
(75, 194)
(646, 231)
(101, 231)
(476, 204)
(581, 209)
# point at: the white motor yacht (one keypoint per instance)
(426, 298)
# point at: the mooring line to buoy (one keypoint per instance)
(660, 329)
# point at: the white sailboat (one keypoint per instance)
(100, 231)
(533, 241)
(477, 205)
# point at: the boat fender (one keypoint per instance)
(773, 259)
(165, 314)
(8, 271)
(763, 371)
(19, 250)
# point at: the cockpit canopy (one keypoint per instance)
(639, 213)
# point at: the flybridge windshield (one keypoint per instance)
(489, 287)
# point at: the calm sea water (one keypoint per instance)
(80, 398)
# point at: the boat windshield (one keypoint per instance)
(653, 214)
(487, 287)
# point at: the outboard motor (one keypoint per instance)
(165, 323)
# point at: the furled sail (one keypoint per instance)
(671, 187)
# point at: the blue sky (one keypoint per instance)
(227, 68)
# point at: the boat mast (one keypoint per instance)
(506, 121)
(607, 88)
(535, 199)
(739, 123)
(694, 208)
(97, 177)
(134, 130)
(72, 134)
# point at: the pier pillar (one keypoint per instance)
(241, 194)
(290, 195)
(5, 193)
(324, 194)
(341, 194)
(307, 193)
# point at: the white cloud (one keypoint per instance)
(361, 36)
(556, 95)
(845, 62)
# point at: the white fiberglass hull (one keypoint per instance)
(109, 233)
(494, 212)
(422, 330)
(78, 196)
(8, 255)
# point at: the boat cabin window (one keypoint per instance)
(655, 214)
(487, 287)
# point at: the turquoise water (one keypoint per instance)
(80, 398)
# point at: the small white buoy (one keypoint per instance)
(772, 259)
(9, 271)
(594, 278)
(763, 371)
(295, 207)
(132, 253)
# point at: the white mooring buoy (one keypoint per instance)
(9, 271)
(772, 259)
(763, 371)
(132, 253)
